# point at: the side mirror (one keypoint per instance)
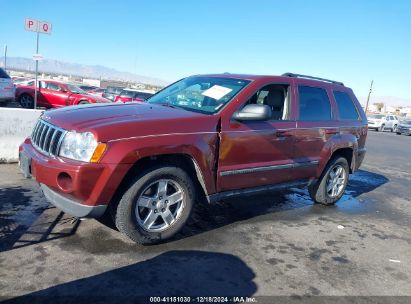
(253, 112)
(63, 90)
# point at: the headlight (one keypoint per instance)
(80, 146)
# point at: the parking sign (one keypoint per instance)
(30, 24)
(34, 25)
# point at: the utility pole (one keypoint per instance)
(368, 98)
(5, 57)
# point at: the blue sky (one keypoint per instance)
(350, 41)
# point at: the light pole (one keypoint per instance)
(368, 98)
(37, 68)
(5, 57)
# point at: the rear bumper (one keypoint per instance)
(359, 159)
(71, 206)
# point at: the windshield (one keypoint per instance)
(377, 116)
(200, 93)
(75, 89)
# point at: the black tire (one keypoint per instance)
(318, 189)
(398, 133)
(126, 217)
(83, 102)
(26, 101)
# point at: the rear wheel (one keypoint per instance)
(26, 101)
(156, 205)
(332, 183)
(394, 129)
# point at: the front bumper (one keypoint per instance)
(70, 206)
(80, 189)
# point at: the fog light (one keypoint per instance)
(65, 182)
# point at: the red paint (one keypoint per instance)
(216, 143)
(55, 99)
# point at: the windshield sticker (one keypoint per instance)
(217, 92)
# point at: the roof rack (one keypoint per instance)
(311, 77)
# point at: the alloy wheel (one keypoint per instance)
(160, 205)
(336, 181)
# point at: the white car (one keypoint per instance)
(380, 122)
(7, 88)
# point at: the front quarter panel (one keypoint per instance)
(200, 147)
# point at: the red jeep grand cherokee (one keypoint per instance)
(202, 138)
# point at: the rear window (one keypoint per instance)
(126, 93)
(3, 74)
(113, 90)
(314, 104)
(346, 107)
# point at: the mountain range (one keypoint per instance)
(75, 69)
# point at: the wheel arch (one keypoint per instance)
(345, 145)
(181, 160)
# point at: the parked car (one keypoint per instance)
(88, 88)
(7, 88)
(112, 92)
(380, 122)
(128, 95)
(404, 127)
(97, 92)
(146, 165)
(54, 94)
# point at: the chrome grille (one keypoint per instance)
(47, 138)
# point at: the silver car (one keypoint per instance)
(380, 122)
(7, 88)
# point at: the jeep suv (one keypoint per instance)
(202, 139)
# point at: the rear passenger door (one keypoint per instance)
(315, 125)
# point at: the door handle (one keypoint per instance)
(283, 134)
(331, 131)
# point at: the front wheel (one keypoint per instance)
(332, 183)
(156, 205)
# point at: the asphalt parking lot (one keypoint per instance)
(273, 245)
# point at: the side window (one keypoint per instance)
(314, 104)
(53, 86)
(276, 97)
(346, 107)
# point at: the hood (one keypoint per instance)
(111, 121)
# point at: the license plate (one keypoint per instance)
(25, 164)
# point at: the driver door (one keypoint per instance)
(54, 95)
(258, 153)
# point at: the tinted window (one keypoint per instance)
(346, 107)
(53, 86)
(314, 104)
(3, 74)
